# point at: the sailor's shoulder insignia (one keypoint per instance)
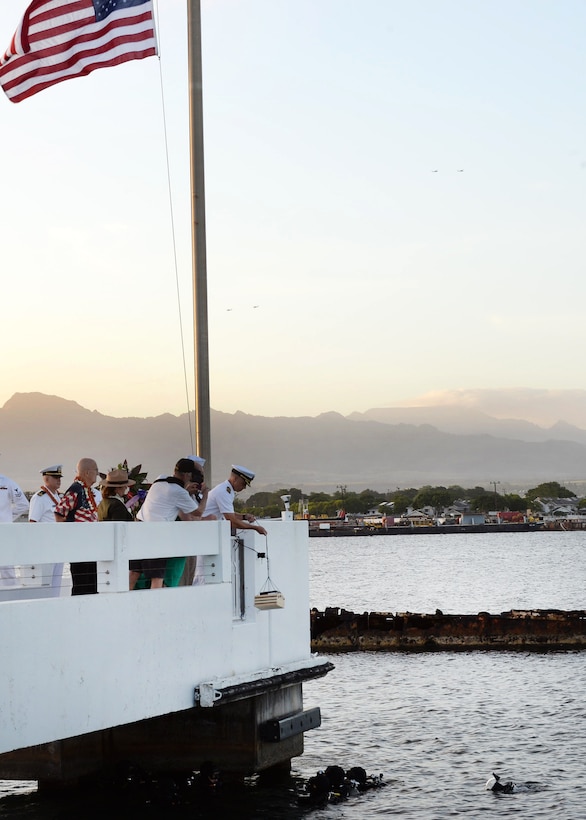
(42, 492)
(228, 489)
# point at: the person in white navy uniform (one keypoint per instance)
(221, 500)
(42, 510)
(221, 504)
(13, 504)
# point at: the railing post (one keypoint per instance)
(113, 575)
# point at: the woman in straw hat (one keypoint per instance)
(113, 507)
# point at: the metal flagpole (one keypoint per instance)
(198, 234)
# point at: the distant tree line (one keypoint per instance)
(269, 504)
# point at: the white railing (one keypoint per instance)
(31, 548)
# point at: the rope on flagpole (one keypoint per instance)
(172, 218)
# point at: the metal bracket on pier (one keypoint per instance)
(206, 695)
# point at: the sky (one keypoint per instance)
(395, 206)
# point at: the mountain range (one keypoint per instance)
(382, 448)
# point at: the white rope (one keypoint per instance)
(172, 217)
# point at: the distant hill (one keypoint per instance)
(470, 421)
(373, 449)
(540, 406)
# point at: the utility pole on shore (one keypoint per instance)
(494, 483)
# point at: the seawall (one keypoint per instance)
(345, 529)
(338, 630)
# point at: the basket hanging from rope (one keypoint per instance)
(269, 596)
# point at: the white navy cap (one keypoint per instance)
(54, 470)
(243, 472)
(198, 460)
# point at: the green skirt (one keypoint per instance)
(173, 573)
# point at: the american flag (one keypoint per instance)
(59, 39)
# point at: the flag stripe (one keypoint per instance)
(24, 83)
(54, 55)
(52, 45)
(83, 68)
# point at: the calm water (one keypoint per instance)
(436, 725)
(465, 573)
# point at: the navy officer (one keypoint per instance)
(220, 504)
(42, 510)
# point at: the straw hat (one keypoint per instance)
(117, 478)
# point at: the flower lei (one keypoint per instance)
(91, 501)
(45, 489)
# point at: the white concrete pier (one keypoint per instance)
(75, 666)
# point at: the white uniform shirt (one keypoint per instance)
(220, 500)
(13, 502)
(42, 508)
(165, 501)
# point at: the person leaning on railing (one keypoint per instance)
(221, 500)
(167, 499)
(221, 505)
(180, 570)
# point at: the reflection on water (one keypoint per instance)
(435, 724)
